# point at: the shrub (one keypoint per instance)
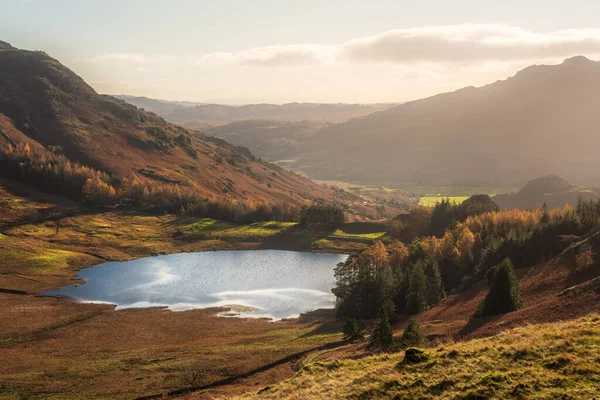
(351, 330)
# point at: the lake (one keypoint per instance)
(267, 283)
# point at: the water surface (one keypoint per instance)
(277, 284)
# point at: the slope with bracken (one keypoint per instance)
(494, 357)
(44, 104)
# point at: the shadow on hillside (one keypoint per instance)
(475, 324)
(295, 238)
(358, 228)
(459, 299)
(323, 320)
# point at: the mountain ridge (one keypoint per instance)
(537, 122)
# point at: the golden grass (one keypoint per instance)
(560, 360)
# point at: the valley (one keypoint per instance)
(447, 247)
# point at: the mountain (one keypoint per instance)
(197, 115)
(272, 140)
(49, 108)
(552, 190)
(544, 120)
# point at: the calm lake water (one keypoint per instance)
(277, 284)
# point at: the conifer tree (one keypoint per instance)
(504, 294)
(435, 288)
(412, 336)
(416, 301)
(352, 331)
(390, 310)
(382, 336)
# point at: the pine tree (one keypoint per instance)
(390, 310)
(382, 336)
(416, 301)
(435, 288)
(412, 335)
(504, 295)
(352, 331)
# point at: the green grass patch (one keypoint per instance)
(2, 236)
(215, 229)
(340, 234)
(200, 225)
(51, 260)
(259, 230)
(430, 201)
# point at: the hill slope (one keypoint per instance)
(537, 361)
(46, 105)
(542, 121)
(481, 358)
(552, 190)
(272, 140)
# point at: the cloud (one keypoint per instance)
(277, 55)
(434, 44)
(465, 43)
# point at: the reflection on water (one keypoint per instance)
(277, 284)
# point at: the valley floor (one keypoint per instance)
(57, 348)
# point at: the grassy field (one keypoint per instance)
(548, 361)
(430, 201)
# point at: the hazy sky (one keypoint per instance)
(304, 50)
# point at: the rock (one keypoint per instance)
(413, 355)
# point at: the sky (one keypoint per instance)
(254, 51)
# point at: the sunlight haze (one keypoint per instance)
(310, 51)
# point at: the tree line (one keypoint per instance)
(418, 275)
(55, 173)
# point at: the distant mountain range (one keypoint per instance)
(544, 120)
(200, 116)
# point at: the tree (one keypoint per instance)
(435, 287)
(412, 335)
(390, 310)
(443, 217)
(504, 294)
(382, 336)
(352, 331)
(475, 205)
(417, 290)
